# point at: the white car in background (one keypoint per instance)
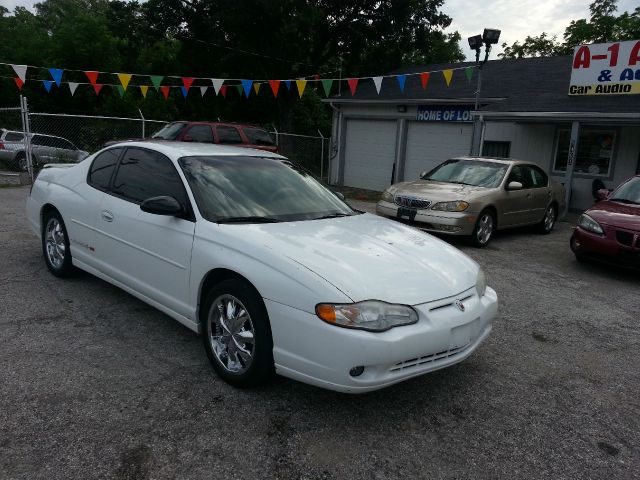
(276, 272)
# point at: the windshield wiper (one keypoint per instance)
(334, 215)
(624, 200)
(250, 219)
(463, 183)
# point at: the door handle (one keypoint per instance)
(107, 216)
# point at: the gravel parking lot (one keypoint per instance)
(96, 384)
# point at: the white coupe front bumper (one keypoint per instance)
(312, 351)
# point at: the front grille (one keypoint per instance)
(414, 362)
(411, 202)
(624, 238)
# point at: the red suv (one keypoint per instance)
(215, 132)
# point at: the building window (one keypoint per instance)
(595, 152)
(494, 149)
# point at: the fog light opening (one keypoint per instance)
(356, 371)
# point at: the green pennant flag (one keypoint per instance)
(240, 89)
(326, 85)
(469, 73)
(156, 80)
(120, 90)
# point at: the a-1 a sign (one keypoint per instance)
(606, 69)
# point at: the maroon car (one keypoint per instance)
(610, 230)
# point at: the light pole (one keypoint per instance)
(489, 37)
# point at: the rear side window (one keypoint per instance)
(229, 135)
(102, 168)
(257, 136)
(538, 177)
(201, 133)
(13, 137)
(143, 174)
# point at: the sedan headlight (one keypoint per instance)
(481, 283)
(372, 315)
(387, 196)
(589, 224)
(457, 206)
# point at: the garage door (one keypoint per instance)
(429, 144)
(369, 153)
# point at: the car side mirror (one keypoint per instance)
(162, 206)
(514, 186)
(602, 194)
(187, 138)
(422, 174)
(340, 195)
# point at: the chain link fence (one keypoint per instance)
(309, 151)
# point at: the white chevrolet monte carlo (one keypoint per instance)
(275, 271)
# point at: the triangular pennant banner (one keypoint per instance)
(97, 87)
(377, 81)
(156, 80)
(217, 84)
(447, 74)
(19, 83)
(401, 80)
(246, 86)
(56, 74)
(223, 91)
(165, 91)
(184, 91)
(275, 86)
(92, 76)
(424, 79)
(47, 85)
(301, 84)
(21, 71)
(287, 83)
(469, 73)
(144, 89)
(203, 90)
(240, 89)
(326, 86)
(124, 78)
(256, 87)
(353, 84)
(120, 89)
(72, 87)
(187, 81)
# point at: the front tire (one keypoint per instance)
(237, 334)
(549, 220)
(55, 245)
(483, 231)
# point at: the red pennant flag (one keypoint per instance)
(165, 91)
(187, 81)
(92, 76)
(223, 91)
(19, 83)
(424, 78)
(97, 87)
(275, 86)
(316, 77)
(353, 84)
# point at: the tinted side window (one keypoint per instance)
(257, 136)
(102, 168)
(228, 135)
(144, 174)
(201, 133)
(66, 144)
(516, 175)
(538, 177)
(38, 140)
(13, 137)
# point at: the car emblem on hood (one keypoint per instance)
(460, 305)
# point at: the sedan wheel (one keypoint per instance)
(549, 220)
(231, 334)
(55, 245)
(483, 230)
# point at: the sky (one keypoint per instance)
(515, 18)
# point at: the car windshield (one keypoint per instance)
(257, 189)
(468, 172)
(169, 132)
(628, 192)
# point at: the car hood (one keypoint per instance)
(368, 257)
(437, 191)
(616, 214)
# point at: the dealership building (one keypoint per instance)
(524, 111)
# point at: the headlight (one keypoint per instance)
(481, 283)
(371, 315)
(387, 196)
(457, 206)
(589, 224)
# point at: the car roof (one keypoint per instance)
(177, 150)
(504, 161)
(33, 134)
(216, 123)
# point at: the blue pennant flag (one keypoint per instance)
(401, 80)
(47, 85)
(184, 91)
(288, 84)
(56, 74)
(246, 85)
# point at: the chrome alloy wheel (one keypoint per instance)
(231, 334)
(485, 228)
(549, 219)
(55, 243)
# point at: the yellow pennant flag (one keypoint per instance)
(124, 78)
(144, 89)
(447, 76)
(301, 84)
(256, 87)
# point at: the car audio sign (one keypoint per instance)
(606, 69)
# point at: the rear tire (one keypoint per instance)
(237, 334)
(21, 162)
(55, 245)
(484, 229)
